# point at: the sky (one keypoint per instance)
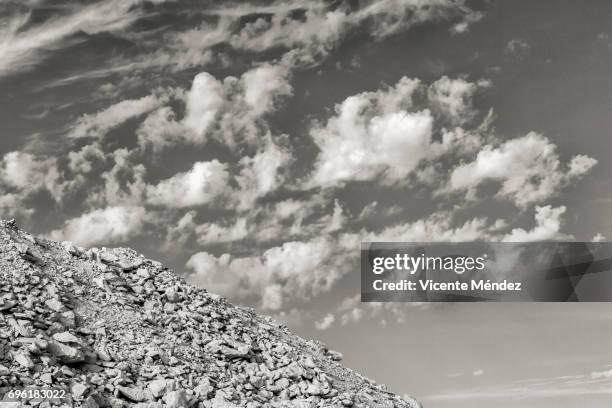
(252, 146)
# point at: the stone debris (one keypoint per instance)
(117, 330)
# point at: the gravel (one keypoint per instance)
(115, 329)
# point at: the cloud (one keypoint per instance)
(99, 124)
(24, 174)
(81, 161)
(24, 43)
(229, 110)
(548, 226)
(581, 165)
(293, 270)
(597, 375)
(161, 130)
(256, 176)
(389, 134)
(452, 98)
(318, 31)
(325, 322)
(527, 167)
(299, 270)
(262, 173)
(368, 210)
(11, 205)
(517, 48)
(200, 185)
(204, 100)
(213, 233)
(287, 218)
(373, 135)
(123, 184)
(180, 232)
(307, 30)
(437, 227)
(320, 28)
(338, 218)
(102, 226)
(352, 310)
(531, 392)
(263, 85)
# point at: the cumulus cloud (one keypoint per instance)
(256, 176)
(24, 174)
(102, 226)
(373, 135)
(204, 100)
(11, 206)
(581, 165)
(261, 173)
(527, 167)
(228, 110)
(452, 98)
(389, 134)
(263, 85)
(200, 185)
(234, 107)
(325, 322)
(548, 226)
(81, 161)
(161, 130)
(293, 270)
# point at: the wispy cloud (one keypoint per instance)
(24, 43)
(98, 124)
(596, 383)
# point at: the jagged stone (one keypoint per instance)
(159, 387)
(4, 371)
(66, 337)
(78, 390)
(66, 354)
(55, 305)
(135, 394)
(23, 360)
(176, 399)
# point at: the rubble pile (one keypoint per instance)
(114, 329)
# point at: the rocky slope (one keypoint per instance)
(114, 329)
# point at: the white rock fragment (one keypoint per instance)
(78, 390)
(55, 305)
(66, 337)
(23, 360)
